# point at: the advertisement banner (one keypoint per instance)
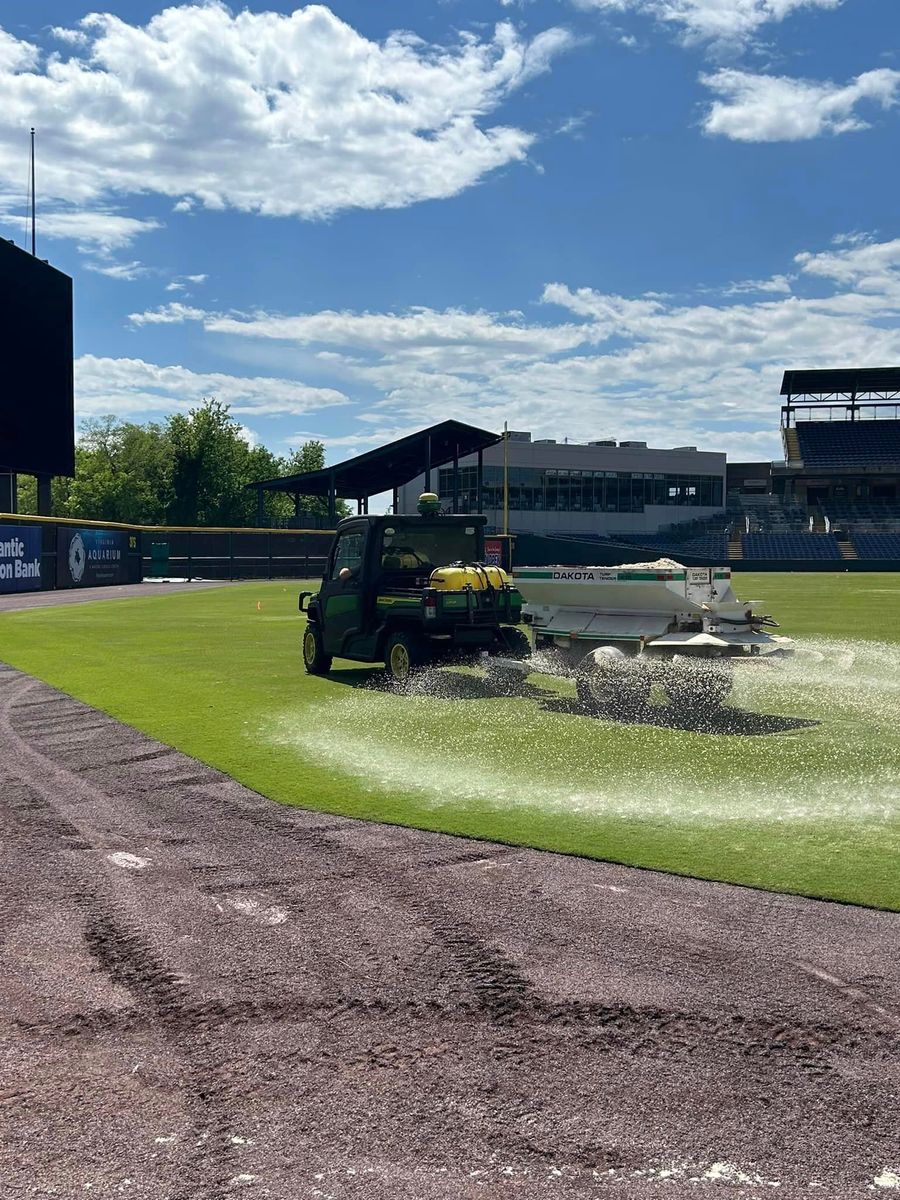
(20, 558)
(91, 557)
(493, 552)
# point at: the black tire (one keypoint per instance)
(316, 661)
(404, 655)
(515, 644)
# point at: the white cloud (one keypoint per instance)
(722, 21)
(95, 231)
(174, 313)
(180, 282)
(423, 333)
(128, 271)
(702, 374)
(573, 125)
(130, 386)
(250, 436)
(864, 266)
(777, 284)
(770, 108)
(285, 115)
(16, 55)
(72, 37)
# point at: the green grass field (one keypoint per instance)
(796, 791)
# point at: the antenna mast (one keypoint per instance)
(33, 245)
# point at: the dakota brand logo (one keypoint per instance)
(573, 574)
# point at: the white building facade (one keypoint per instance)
(592, 488)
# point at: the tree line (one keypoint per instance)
(190, 469)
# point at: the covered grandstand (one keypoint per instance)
(835, 496)
(841, 436)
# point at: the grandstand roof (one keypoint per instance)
(851, 381)
(389, 466)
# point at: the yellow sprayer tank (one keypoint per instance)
(478, 578)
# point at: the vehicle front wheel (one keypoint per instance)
(404, 654)
(316, 661)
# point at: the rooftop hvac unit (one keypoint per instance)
(684, 447)
(545, 441)
(605, 442)
(633, 445)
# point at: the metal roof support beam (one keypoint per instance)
(44, 495)
(479, 503)
(456, 478)
(428, 463)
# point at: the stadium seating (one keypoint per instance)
(711, 546)
(864, 512)
(790, 545)
(831, 444)
(877, 545)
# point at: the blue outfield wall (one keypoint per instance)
(86, 554)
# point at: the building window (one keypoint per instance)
(556, 490)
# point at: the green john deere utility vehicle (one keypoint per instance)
(411, 591)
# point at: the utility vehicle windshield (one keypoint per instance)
(427, 544)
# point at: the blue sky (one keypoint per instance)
(588, 218)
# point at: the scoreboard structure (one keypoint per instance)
(37, 399)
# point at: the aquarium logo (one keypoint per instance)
(77, 557)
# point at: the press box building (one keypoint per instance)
(600, 487)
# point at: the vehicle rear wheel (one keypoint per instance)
(316, 661)
(611, 684)
(404, 654)
(514, 643)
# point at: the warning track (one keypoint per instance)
(203, 994)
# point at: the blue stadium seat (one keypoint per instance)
(711, 546)
(877, 545)
(790, 545)
(849, 443)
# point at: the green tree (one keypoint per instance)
(212, 464)
(311, 457)
(123, 472)
(193, 470)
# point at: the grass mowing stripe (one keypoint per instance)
(803, 797)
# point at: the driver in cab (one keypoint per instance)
(397, 557)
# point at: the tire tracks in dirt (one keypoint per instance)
(120, 951)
